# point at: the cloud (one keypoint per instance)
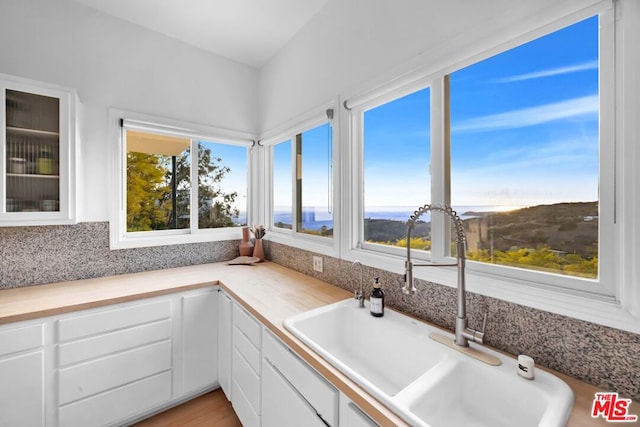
(530, 116)
(591, 65)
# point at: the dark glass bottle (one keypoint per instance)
(376, 302)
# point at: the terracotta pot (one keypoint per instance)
(258, 250)
(246, 247)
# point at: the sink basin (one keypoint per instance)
(469, 394)
(423, 381)
(374, 354)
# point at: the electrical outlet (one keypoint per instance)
(317, 264)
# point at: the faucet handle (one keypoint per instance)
(478, 336)
(484, 322)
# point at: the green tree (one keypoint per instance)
(416, 243)
(150, 194)
(215, 207)
(146, 189)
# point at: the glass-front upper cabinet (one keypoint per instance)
(38, 153)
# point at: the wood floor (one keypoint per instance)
(209, 410)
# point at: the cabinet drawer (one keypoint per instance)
(315, 389)
(225, 333)
(112, 319)
(114, 342)
(246, 379)
(20, 339)
(117, 404)
(80, 381)
(246, 349)
(247, 415)
(283, 406)
(247, 324)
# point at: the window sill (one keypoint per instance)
(320, 245)
(129, 242)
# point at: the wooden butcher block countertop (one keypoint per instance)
(269, 291)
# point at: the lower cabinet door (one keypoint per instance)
(22, 390)
(282, 405)
(199, 341)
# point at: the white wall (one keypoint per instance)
(352, 45)
(112, 63)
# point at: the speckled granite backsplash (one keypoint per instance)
(599, 355)
(37, 255)
(605, 357)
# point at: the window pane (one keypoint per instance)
(396, 169)
(313, 149)
(222, 185)
(158, 181)
(282, 188)
(524, 139)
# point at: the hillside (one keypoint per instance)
(387, 230)
(562, 227)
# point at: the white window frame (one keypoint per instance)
(120, 238)
(356, 112)
(617, 301)
(288, 131)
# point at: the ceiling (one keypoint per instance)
(246, 31)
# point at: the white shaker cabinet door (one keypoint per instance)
(22, 384)
(200, 340)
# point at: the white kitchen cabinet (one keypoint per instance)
(111, 365)
(110, 356)
(37, 153)
(294, 394)
(246, 366)
(199, 340)
(271, 385)
(22, 375)
(225, 326)
(120, 362)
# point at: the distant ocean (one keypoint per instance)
(315, 219)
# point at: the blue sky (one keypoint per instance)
(524, 131)
(315, 170)
(236, 179)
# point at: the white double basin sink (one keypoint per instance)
(423, 381)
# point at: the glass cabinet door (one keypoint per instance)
(38, 133)
(32, 152)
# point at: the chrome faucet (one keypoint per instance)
(359, 295)
(463, 334)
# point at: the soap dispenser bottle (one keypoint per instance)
(376, 302)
